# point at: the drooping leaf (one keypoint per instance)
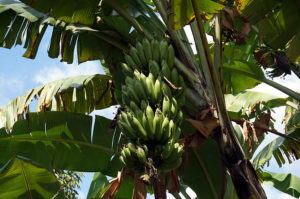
(279, 148)
(69, 11)
(21, 179)
(203, 172)
(182, 13)
(60, 140)
(275, 19)
(100, 184)
(237, 105)
(234, 82)
(80, 94)
(293, 51)
(285, 182)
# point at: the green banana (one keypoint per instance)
(127, 70)
(178, 118)
(169, 166)
(174, 108)
(168, 149)
(131, 63)
(147, 49)
(140, 91)
(165, 71)
(127, 130)
(157, 91)
(174, 77)
(141, 54)
(143, 82)
(163, 47)
(164, 126)
(156, 125)
(150, 118)
(141, 155)
(140, 129)
(131, 147)
(171, 56)
(154, 68)
(166, 90)
(166, 106)
(143, 105)
(129, 80)
(150, 88)
(133, 95)
(155, 51)
(133, 52)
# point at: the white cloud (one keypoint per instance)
(9, 88)
(52, 73)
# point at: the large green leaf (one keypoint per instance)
(285, 182)
(60, 140)
(70, 11)
(277, 148)
(100, 184)
(35, 23)
(203, 172)
(275, 19)
(182, 12)
(21, 179)
(80, 94)
(237, 105)
(234, 82)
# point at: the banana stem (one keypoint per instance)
(132, 21)
(187, 56)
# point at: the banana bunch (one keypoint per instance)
(155, 58)
(134, 157)
(149, 125)
(152, 97)
(170, 156)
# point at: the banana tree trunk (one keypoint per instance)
(241, 170)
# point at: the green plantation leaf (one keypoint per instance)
(80, 94)
(285, 182)
(70, 11)
(100, 184)
(182, 12)
(21, 179)
(60, 140)
(293, 51)
(203, 172)
(277, 148)
(241, 102)
(275, 19)
(234, 82)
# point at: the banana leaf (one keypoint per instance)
(20, 178)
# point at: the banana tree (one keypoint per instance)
(216, 158)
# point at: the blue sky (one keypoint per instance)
(18, 74)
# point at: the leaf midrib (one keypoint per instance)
(98, 147)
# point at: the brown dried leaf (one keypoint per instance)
(114, 186)
(139, 191)
(175, 183)
(206, 126)
(243, 34)
(203, 114)
(262, 122)
(245, 129)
